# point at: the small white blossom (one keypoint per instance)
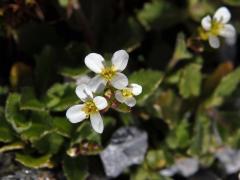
(218, 26)
(90, 108)
(126, 95)
(112, 74)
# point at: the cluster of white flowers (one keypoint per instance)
(109, 77)
(217, 26)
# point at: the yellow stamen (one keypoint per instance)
(90, 107)
(216, 27)
(127, 92)
(108, 73)
(215, 30)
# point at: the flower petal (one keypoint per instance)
(120, 98)
(136, 89)
(228, 31)
(97, 122)
(75, 113)
(214, 41)
(222, 15)
(206, 23)
(94, 62)
(97, 84)
(120, 60)
(100, 102)
(119, 81)
(131, 101)
(83, 92)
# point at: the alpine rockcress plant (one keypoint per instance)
(107, 78)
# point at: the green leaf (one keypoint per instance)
(179, 136)
(145, 174)
(74, 72)
(6, 132)
(61, 96)
(13, 114)
(11, 147)
(150, 13)
(3, 90)
(228, 84)
(85, 133)
(41, 125)
(49, 144)
(34, 162)
(29, 101)
(181, 52)
(149, 80)
(232, 2)
(85, 141)
(62, 126)
(190, 81)
(75, 168)
(123, 108)
(225, 88)
(156, 159)
(202, 141)
(63, 3)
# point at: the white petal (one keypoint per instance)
(206, 23)
(97, 83)
(83, 79)
(75, 113)
(94, 62)
(222, 15)
(100, 102)
(231, 40)
(214, 41)
(83, 92)
(131, 101)
(228, 31)
(136, 89)
(97, 122)
(120, 98)
(119, 81)
(120, 60)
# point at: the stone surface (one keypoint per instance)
(185, 167)
(127, 146)
(230, 159)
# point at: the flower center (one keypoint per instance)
(108, 73)
(127, 92)
(216, 27)
(90, 107)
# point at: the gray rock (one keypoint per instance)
(31, 174)
(230, 159)
(127, 147)
(185, 167)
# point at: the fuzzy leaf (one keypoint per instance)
(225, 88)
(190, 81)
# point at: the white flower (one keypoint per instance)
(218, 26)
(105, 74)
(126, 95)
(90, 108)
